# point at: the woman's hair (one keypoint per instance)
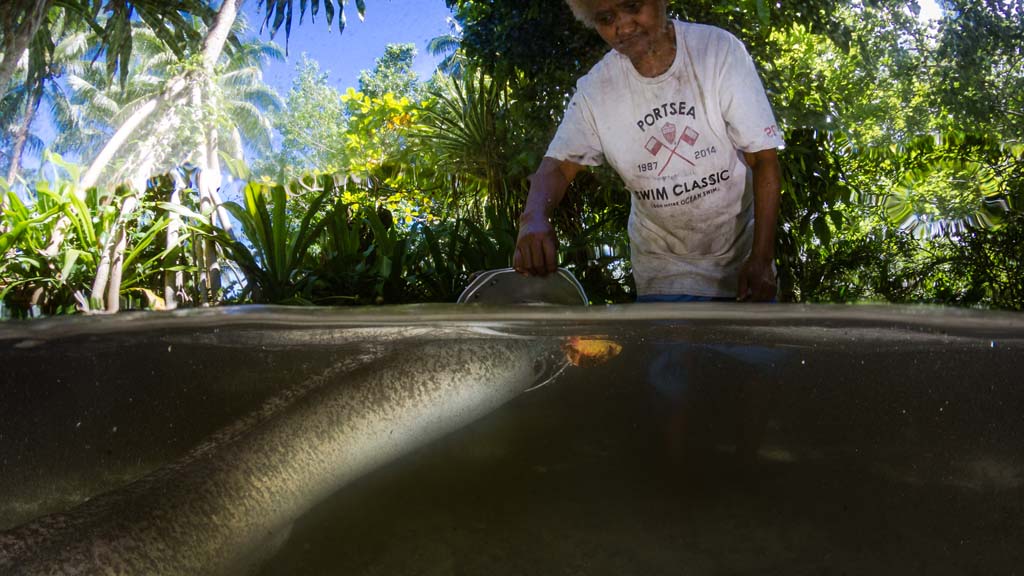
(583, 10)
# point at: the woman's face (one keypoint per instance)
(633, 27)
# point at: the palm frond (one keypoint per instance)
(250, 121)
(443, 45)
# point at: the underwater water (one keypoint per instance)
(708, 439)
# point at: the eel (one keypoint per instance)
(224, 505)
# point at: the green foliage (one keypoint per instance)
(476, 131)
(280, 12)
(448, 47)
(35, 89)
(536, 45)
(376, 129)
(234, 103)
(112, 22)
(362, 259)
(362, 136)
(392, 73)
(25, 272)
(817, 84)
(274, 257)
(312, 125)
(351, 267)
(947, 182)
(978, 69)
(993, 261)
(171, 22)
(815, 196)
(380, 157)
(35, 281)
(328, 253)
(454, 250)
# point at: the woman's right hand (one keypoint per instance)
(536, 247)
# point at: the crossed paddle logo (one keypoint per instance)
(668, 131)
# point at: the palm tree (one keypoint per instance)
(472, 127)
(25, 26)
(23, 99)
(20, 22)
(24, 21)
(450, 47)
(233, 101)
(18, 110)
(280, 12)
(187, 86)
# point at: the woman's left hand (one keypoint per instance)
(756, 281)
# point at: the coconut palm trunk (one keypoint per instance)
(210, 178)
(115, 257)
(174, 281)
(20, 23)
(31, 106)
(209, 181)
(106, 288)
(170, 95)
(213, 46)
(174, 93)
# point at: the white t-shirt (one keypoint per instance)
(677, 142)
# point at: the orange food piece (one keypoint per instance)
(590, 351)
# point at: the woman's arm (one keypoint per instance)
(537, 246)
(757, 277)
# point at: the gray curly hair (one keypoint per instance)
(583, 10)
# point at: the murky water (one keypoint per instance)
(722, 440)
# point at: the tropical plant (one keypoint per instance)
(33, 280)
(448, 48)
(234, 102)
(312, 126)
(381, 159)
(273, 255)
(978, 72)
(30, 282)
(452, 251)
(392, 74)
(26, 27)
(281, 12)
(474, 127)
(363, 258)
(19, 108)
(231, 103)
(329, 253)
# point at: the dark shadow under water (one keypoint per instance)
(786, 441)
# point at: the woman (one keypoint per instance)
(679, 112)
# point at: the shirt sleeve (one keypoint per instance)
(748, 115)
(577, 139)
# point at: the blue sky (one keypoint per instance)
(344, 56)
